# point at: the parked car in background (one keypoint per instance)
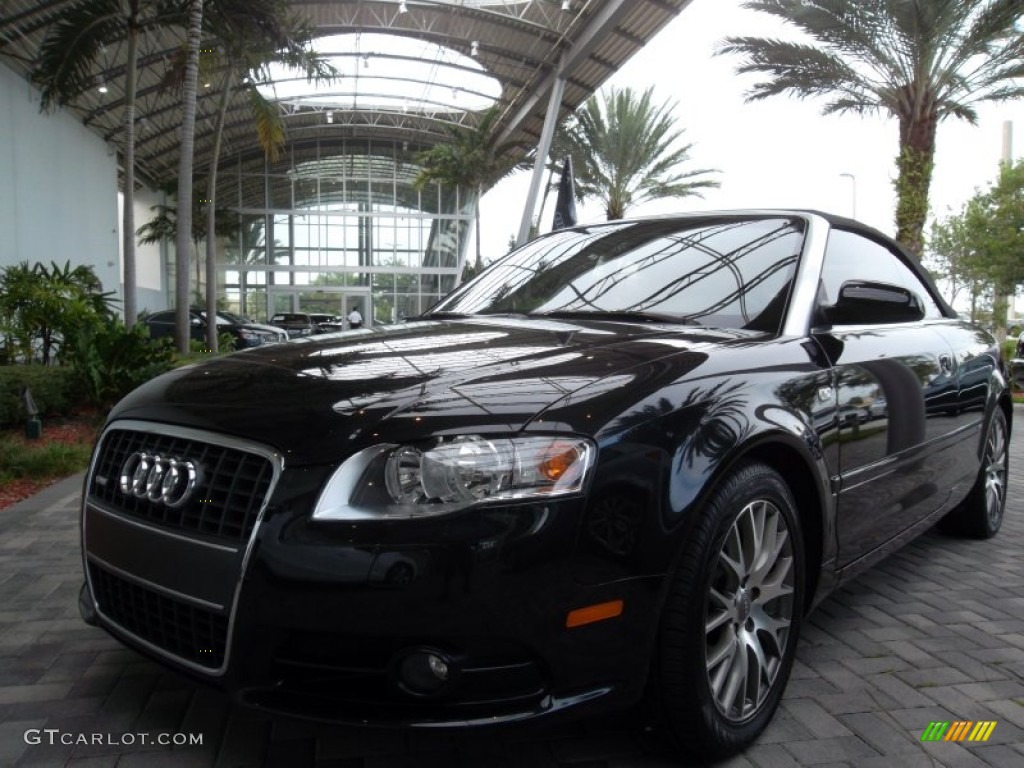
(622, 463)
(294, 323)
(279, 333)
(327, 323)
(161, 324)
(878, 409)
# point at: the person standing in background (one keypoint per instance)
(355, 320)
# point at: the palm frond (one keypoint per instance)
(72, 45)
(626, 149)
(270, 129)
(797, 69)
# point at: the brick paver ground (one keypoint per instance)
(934, 632)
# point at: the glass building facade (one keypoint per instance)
(339, 225)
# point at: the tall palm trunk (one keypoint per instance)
(211, 207)
(914, 175)
(130, 276)
(188, 124)
(476, 226)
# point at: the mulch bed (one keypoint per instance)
(77, 429)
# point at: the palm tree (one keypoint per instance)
(193, 40)
(919, 61)
(470, 160)
(163, 228)
(250, 35)
(65, 69)
(624, 151)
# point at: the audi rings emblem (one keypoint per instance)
(159, 479)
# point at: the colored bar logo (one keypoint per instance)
(960, 730)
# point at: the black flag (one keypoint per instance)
(565, 207)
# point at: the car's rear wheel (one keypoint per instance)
(732, 618)
(980, 515)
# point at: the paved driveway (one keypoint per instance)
(933, 633)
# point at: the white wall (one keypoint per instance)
(150, 275)
(58, 187)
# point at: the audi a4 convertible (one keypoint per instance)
(621, 465)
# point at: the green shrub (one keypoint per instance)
(111, 361)
(1009, 349)
(40, 308)
(54, 389)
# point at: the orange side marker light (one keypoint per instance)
(592, 613)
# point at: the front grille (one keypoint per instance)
(187, 631)
(232, 487)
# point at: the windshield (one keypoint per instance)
(722, 272)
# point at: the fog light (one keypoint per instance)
(424, 672)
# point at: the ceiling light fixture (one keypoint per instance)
(402, 7)
(366, 61)
(101, 85)
(474, 48)
(330, 117)
(565, 5)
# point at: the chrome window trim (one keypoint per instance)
(277, 464)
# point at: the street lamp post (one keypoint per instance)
(853, 193)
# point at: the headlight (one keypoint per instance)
(449, 475)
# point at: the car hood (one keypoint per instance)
(318, 399)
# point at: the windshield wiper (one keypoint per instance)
(624, 316)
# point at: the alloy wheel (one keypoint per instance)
(749, 610)
(995, 472)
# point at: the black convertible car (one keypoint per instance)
(622, 463)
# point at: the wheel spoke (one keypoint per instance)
(768, 562)
(774, 628)
(726, 645)
(736, 685)
(724, 615)
(738, 558)
(777, 583)
(758, 674)
(716, 621)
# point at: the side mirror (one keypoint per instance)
(867, 303)
(196, 321)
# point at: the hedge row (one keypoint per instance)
(55, 390)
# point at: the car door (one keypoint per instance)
(896, 394)
(160, 324)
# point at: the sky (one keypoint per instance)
(780, 152)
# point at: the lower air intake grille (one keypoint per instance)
(186, 631)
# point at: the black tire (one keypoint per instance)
(980, 515)
(717, 608)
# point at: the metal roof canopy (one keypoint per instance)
(527, 45)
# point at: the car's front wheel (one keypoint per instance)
(732, 617)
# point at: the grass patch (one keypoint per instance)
(22, 458)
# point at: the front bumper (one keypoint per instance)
(333, 621)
